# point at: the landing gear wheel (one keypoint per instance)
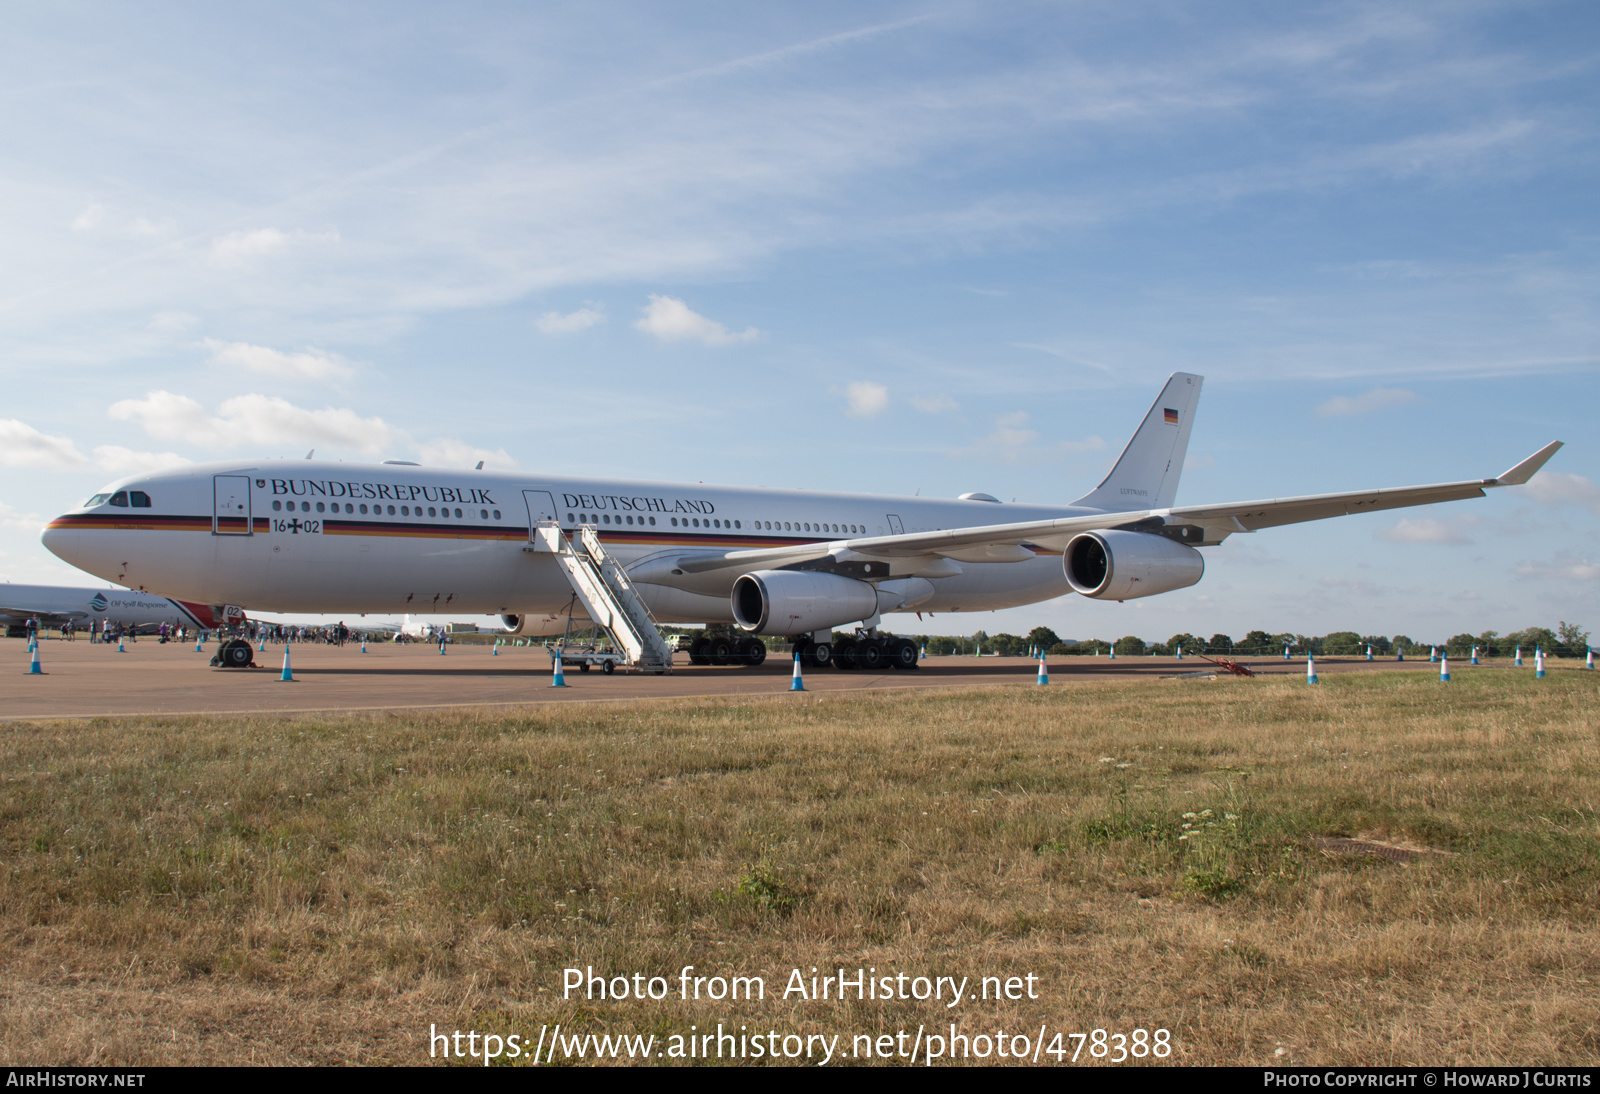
(821, 654)
(720, 651)
(903, 654)
(609, 667)
(844, 653)
(755, 652)
(870, 655)
(236, 655)
(697, 652)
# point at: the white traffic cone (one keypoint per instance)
(120, 647)
(1474, 655)
(1444, 669)
(1369, 653)
(1518, 661)
(1113, 653)
(1044, 672)
(1286, 653)
(1311, 669)
(496, 651)
(1538, 664)
(363, 643)
(558, 680)
(1433, 653)
(1589, 662)
(924, 656)
(796, 683)
(33, 667)
(288, 676)
(1180, 653)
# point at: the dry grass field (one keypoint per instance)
(1155, 854)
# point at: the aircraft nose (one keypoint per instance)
(61, 540)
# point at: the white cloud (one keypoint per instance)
(1561, 488)
(10, 518)
(447, 452)
(21, 445)
(1013, 441)
(309, 364)
(933, 404)
(1425, 530)
(670, 320)
(172, 321)
(553, 322)
(1563, 567)
(87, 219)
(125, 461)
(257, 419)
(1379, 398)
(866, 399)
(236, 248)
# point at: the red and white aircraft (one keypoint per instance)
(57, 605)
(301, 536)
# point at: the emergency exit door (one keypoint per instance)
(231, 516)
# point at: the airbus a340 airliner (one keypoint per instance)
(302, 536)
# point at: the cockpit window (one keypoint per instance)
(98, 499)
(140, 499)
(120, 498)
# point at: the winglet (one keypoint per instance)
(1525, 470)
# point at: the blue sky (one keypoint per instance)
(896, 247)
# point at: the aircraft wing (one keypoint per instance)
(10, 615)
(1005, 542)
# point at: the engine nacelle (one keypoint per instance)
(796, 601)
(1118, 565)
(534, 625)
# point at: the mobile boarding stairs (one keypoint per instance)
(602, 586)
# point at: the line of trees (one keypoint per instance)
(1567, 640)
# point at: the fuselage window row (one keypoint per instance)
(378, 510)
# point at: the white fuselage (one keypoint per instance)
(304, 536)
(54, 605)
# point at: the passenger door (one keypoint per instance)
(231, 515)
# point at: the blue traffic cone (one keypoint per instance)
(797, 684)
(1311, 669)
(262, 648)
(1433, 653)
(363, 643)
(1444, 669)
(1518, 661)
(1589, 662)
(33, 667)
(558, 680)
(496, 651)
(924, 656)
(120, 647)
(1180, 653)
(288, 676)
(1113, 653)
(1538, 664)
(1286, 653)
(1369, 653)
(1399, 654)
(1044, 672)
(1474, 655)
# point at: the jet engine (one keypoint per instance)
(537, 625)
(1118, 565)
(796, 601)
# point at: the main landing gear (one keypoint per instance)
(875, 653)
(236, 653)
(726, 649)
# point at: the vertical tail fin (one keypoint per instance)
(1146, 474)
